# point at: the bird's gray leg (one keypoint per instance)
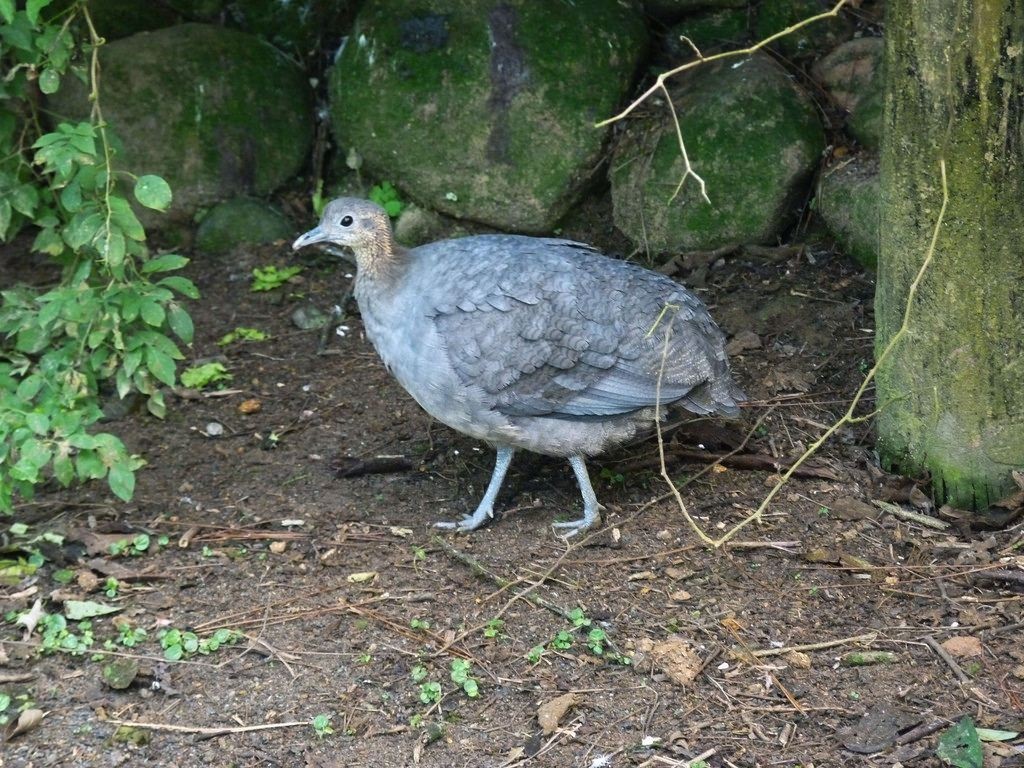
(485, 509)
(591, 509)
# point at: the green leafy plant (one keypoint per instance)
(612, 477)
(322, 726)
(419, 673)
(420, 624)
(110, 587)
(208, 374)
(58, 635)
(492, 628)
(596, 639)
(578, 618)
(114, 318)
(534, 654)
(461, 676)
(562, 640)
(243, 334)
(430, 692)
(270, 277)
(178, 644)
(386, 196)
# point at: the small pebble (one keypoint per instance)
(213, 429)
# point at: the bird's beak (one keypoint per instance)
(315, 235)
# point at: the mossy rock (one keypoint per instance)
(297, 27)
(478, 109)
(853, 76)
(776, 15)
(216, 112)
(242, 220)
(711, 32)
(749, 132)
(848, 203)
(672, 10)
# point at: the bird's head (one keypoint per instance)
(358, 224)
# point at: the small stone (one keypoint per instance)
(213, 429)
(680, 596)
(252, 405)
(278, 547)
(309, 317)
(663, 535)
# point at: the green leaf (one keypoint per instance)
(989, 734)
(89, 466)
(49, 81)
(152, 313)
(71, 197)
(32, 9)
(38, 423)
(5, 217)
(76, 610)
(180, 322)
(960, 746)
(111, 247)
(24, 199)
(7, 10)
(160, 365)
(122, 480)
(153, 192)
(166, 263)
(63, 468)
(174, 653)
(123, 215)
(182, 285)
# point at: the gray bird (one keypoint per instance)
(530, 342)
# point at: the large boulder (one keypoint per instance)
(852, 74)
(774, 16)
(671, 10)
(241, 221)
(752, 135)
(485, 109)
(848, 203)
(711, 31)
(217, 113)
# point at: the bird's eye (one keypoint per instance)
(346, 221)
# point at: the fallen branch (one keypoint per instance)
(815, 646)
(943, 654)
(915, 517)
(206, 731)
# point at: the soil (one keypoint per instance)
(348, 602)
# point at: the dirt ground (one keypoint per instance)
(349, 604)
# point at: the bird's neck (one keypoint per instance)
(382, 262)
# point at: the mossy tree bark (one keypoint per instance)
(952, 394)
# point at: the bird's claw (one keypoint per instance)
(465, 525)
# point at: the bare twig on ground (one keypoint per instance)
(867, 638)
(943, 654)
(207, 731)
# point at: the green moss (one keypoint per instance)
(952, 394)
(751, 136)
(709, 31)
(215, 112)
(847, 201)
(422, 111)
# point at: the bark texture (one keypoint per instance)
(952, 395)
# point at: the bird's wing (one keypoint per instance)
(554, 329)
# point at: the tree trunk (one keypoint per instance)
(952, 393)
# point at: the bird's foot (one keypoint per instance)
(573, 527)
(467, 523)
